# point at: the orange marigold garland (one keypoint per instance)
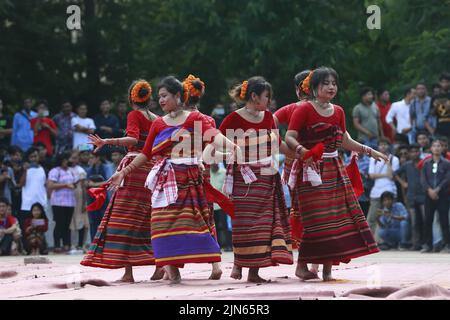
(185, 92)
(137, 88)
(244, 90)
(306, 86)
(190, 90)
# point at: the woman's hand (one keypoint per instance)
(115, 181)
(96, 141)
(379, 156)
(201, 167)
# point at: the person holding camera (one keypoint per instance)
(393, 223)
(7, 180)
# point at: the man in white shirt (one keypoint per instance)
(383, 175)
(401, 113)
(82, 126)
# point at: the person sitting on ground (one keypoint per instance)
(10, 233)
(35, 228)
(393, 222)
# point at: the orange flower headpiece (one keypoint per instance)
(306, 84)
(190, 90)
(135, 96)
(244, 89)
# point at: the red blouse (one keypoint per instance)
(159, 125)
(284, 114)
(253, 139)
(305, 116)
(235, 121)
(138, 127)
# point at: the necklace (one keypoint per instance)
(322, 105)
(253, 113)
(173, 114)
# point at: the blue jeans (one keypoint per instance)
(394, 236)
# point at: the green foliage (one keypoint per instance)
(223, 42)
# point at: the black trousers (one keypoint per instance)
(442, 206)
(62, 217)
(364, 207)
(21, 217)
(417, 210)
(5, 245)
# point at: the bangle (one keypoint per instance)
(367, 150)
(126, 171)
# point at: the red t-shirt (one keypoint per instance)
(44, 135)
(159, 125)
(138, 127)
(284, 114)
(7, 222)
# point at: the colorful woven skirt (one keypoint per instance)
(123, 237)
(212, 221)
(261, 230)
(334, 227)
(182, 232)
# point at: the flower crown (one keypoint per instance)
(142, 84)
(244, 89)
(190, 90)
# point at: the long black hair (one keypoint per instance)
(40, 206)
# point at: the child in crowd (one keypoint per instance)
(35, 228)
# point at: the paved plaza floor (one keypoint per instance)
(64, 278)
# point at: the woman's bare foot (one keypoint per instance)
(158, 274)
(326, 273)
(314, 269)
(216, 272)
(303, 273)
(128, 275)
(236, 273)
(174, 274)
(166, 276)
(254, 277)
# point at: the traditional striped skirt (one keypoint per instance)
(211, 222)
(123, 237)
(334, 227)
(182, 232)
(261, 230)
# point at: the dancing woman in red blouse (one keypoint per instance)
(123, 237)
(261, 232)
(181, 232)
(334, 227)
(193, 90)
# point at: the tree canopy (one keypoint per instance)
(223, 42)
